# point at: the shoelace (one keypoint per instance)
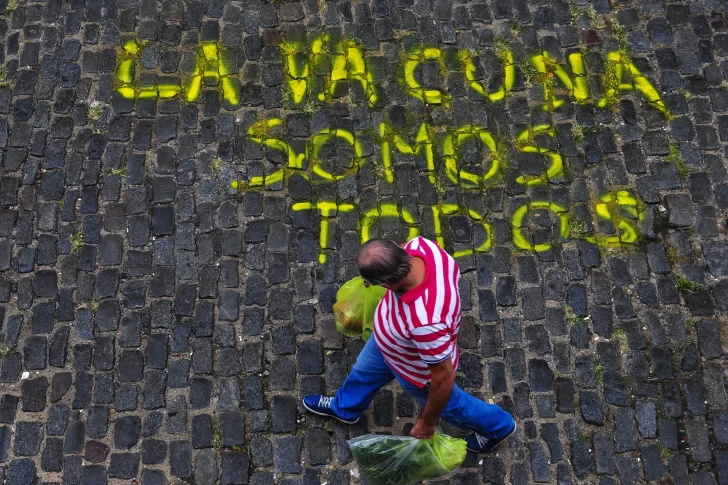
(482, 440)
(325, 402)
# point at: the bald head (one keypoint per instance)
(381, 262)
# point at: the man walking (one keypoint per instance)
(414, 340)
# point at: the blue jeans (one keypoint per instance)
(370, 373)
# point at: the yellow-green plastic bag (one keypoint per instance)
(450, 451)
(355, 306)
(401, 460)
(372, 296)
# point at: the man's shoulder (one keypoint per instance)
(424, 246)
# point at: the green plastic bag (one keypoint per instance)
(355, 306)
(400, 460)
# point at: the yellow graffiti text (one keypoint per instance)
(387, 210)
(447, 209)
(327, 210)
(623, 210)
(555, 170)
(577, 86)
(343, 60)
(325, 68)
(422, 146)
(260, 132)
(296, 66)
(322, 138)
(412, 85)
(623, 75)
(517, 224)
(210, 68)
(450, 154)
(509, 76)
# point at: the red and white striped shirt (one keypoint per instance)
(420, 327)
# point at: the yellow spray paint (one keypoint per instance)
(447, 209)
(437, 212)
(618, 64)
(320, 139)
(412, 86)
(347, 64)
(350, 67)
(621, 207)
(422, 145)
(211, 69)
(148, 92)
(168, 90)
(613, 207)
(126, 69)
(517, 224)
(509, 75)
(125, 74)
(387, 210)
(450, 153)
(488, 243)
(556, 168)
(296, 64)
(260, 132)
(193, 86)
(577, 87)
(327, 210)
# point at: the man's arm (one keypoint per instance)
(441, 386)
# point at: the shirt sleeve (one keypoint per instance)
(434, 342)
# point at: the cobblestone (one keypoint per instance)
(176, 310)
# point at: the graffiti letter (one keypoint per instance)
(327, 210)
(320, 139)
(213, 70)
(259, 132)
(296, 67)
(517, 223)
(346, 61)
(423, 144)
(613, 207)
(413, 87)
(555, 170)
(509, 75)
(619, 64)
(350, 66)
(447, 209)
(387, 210)
(450, 153)
(437, 211)
(126, 73)
(577, 87)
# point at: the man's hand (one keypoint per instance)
(422, 430)
(441, 386)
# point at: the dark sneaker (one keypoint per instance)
(319, 404)
(480, 444)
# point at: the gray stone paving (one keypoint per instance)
(183, 186)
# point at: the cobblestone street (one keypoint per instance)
(183, 185)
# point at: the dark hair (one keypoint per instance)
(381, 261)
